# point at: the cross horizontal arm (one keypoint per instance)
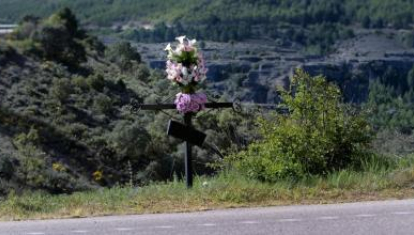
(155, 106)
(219, 105)
(173, 106)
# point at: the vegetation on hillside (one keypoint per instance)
(391, 99)
(66, 117)
(375, 13)
(317, 25)
(390, 103)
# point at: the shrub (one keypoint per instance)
(6, 52)
(316, 134)
(80, 83)
(34, 169)
(7, 166)
(124, 55)
(142, 73)
(96, 82)
(56, 38)
(58, 45)
(129, 139)
(61, 89)
(103, 104)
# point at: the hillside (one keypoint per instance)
(395, 12)
(314, 24)
(66, 117)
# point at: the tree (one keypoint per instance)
(58, 45)
(59, 39)
(124, 55)
(366, 22)
(61, 89)
(314, 135)
(66, 18)
(27, 26)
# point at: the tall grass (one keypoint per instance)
(380, 178)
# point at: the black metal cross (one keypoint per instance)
(187, 131)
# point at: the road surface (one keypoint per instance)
(388, 218)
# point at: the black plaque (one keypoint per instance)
(186, 133)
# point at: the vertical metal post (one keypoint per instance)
(188, 154)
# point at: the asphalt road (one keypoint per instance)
(390, 217)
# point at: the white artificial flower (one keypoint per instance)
(192, 42)
(184, 71)
(168, 47)
(181, 39)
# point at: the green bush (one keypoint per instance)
(56, 38)
(124, 55)
(103, 104)
(33, 168)
(26, 46)
(315, 135)
(61, 89)
(129, 139)
(80, 84)
(7, 166)
(6, 52)
(96, 82)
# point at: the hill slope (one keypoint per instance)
(66, 117)
(396, 12)
(315, 25)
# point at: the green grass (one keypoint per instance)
(226, 190)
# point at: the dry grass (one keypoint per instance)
(227, 190)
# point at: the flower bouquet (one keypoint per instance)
(186, 68)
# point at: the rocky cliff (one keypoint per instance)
(256, 68)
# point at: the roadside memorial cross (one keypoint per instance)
(186, 68)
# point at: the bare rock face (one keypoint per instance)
(363, 59)
(258, 67)
(218, 72)
(157, 64)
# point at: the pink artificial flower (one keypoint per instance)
(188, 48)
(190, 103)
(174, 71)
